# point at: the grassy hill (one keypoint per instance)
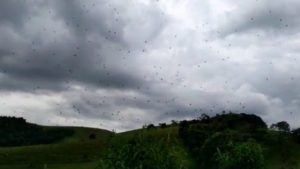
(87, 147)
(77, 151)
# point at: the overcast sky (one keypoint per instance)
(119, 64)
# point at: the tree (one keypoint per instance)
(162, 125)
(150, 126)
(174, 122)
(204, 117)
(281, 126)
(17, 132)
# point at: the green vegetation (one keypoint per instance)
(139, 153)
(248, 154)
(226, 141)
(77, 151)
(17, 132)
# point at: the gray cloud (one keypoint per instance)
(274, 17)
(119, 64)
(13, 12)
(84, 54)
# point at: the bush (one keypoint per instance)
(247, 155)
(138, 153)
(206, 155)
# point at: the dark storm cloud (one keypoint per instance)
(88, 53)
(50, 47)
(85, 19)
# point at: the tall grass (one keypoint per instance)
(140, 152)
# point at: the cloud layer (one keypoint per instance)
(120, 64)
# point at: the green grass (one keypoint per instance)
(84, 165)
(76, 149)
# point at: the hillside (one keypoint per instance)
(17, 132)
(193, 144)
(177, 145)
(81, 148)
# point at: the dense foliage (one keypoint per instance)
(17, 132)
(139, 153)
(281, 126)
(206, 136)
(248, 155)
(225, 141)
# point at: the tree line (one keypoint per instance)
(17, 132)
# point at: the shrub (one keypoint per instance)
(247, 155)
(138, 153)
(222, 141)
